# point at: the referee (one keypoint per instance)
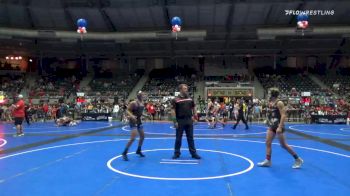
(241, 115)
(183, 110)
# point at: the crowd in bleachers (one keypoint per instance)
(159, 110)
(285, 83)
(156, 87)
(340, 84)
(9, 67)
(12, 85)
(287, 79)
(292, 83)
(230, 78)
(54, 87)
(48, 111)
(164, 82)
(255, 109)
(119, 87)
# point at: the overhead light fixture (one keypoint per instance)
(11, 58)
(7, 58)
(20, 58)
(30, 60)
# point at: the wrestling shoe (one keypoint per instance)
(125, 157)
(140, 153)
(265, 163)
(196, 156)
(298, 163)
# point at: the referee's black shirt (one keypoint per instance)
(183, 107)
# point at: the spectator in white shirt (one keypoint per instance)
(115, 110)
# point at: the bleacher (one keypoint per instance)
(164, 82)
(54, 87)
(338, 83)
(234, 80)
(286, 79)
(119, 86)
(156, 87)
(12, 85)
(286, 82)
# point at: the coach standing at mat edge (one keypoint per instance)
(19, 114)
(183, 111)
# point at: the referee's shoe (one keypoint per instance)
(195, 156)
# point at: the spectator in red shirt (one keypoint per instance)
(152, 110)
(41, 93)
(45, 110)
(19, 114)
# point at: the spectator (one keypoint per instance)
(115, 110)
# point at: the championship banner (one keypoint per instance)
(229, 92)
(329, 119)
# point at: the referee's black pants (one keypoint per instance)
(239, 118)
(187, 126)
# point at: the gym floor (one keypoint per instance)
(85, 160)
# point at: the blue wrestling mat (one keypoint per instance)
(85, 160)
